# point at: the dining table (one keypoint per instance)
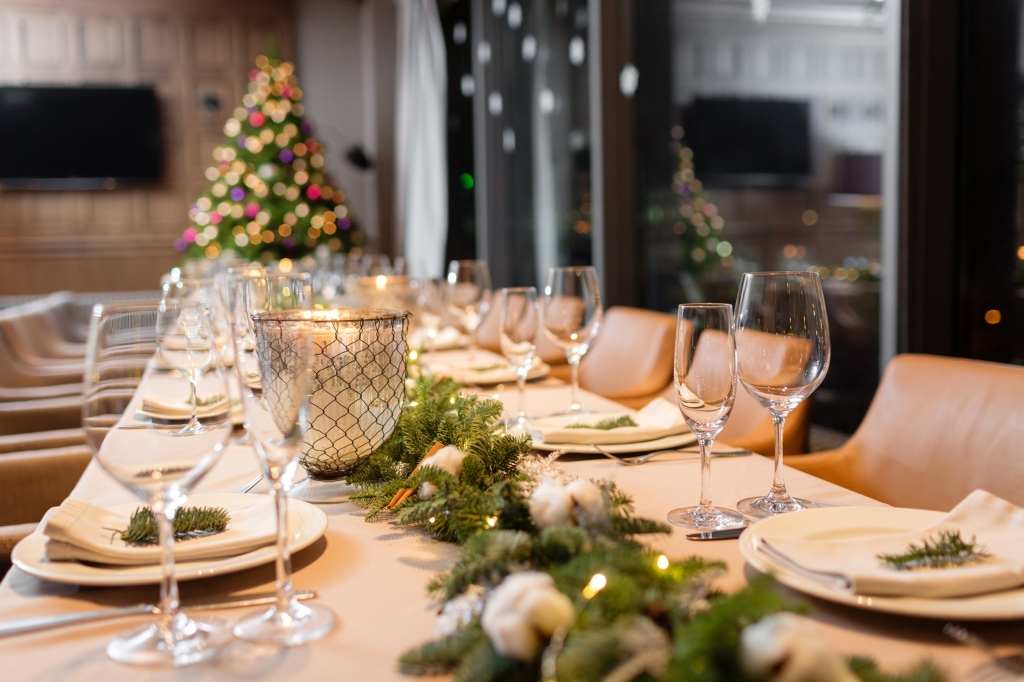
(374, 575)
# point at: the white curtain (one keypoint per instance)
(421, 142)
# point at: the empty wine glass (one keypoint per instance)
(705, 379)
(469, 295)
(518, 328)
(187, 343)
(433, 297)
(571, 316)
(277, 318)
(156, 464)
(782, 354)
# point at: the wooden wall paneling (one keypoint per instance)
(45, 40)
(211, 44)
(102, 42)
(158, 43)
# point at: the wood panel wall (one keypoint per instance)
(121, 239)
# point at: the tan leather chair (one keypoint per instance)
(41, 440)
(488, 335)
(14, 373)
(31, 416)
(937, 429)
(32, 333)
(32, 482)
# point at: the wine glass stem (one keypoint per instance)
(705, 506)
(521, 373)
(284, 556)
(574, 366)
(169, 601)
(194, 421)
(778, 480)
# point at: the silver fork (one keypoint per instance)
(649, 456)
(1013, 665)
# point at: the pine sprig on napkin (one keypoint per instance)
(947, 550)
(189, 522)
(606, 424)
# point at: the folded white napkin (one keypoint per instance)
(852, 565)
(487, 368)
(446, 339)
(658, 419)
(165, 408)
(84, 532)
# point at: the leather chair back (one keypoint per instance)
(937, 429)
(488, 335)
(632, 356)
(35, 481)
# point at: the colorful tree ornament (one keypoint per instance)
(269, 196)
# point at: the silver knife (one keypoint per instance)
(717, 534)
(14, 627)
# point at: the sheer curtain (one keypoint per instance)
(421, 142)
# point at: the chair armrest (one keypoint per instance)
(35, 481)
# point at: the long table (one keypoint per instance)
(374, 576)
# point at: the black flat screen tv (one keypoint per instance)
(749, 142)
(93, 137)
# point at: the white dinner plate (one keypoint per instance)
(306, 524)
(841, 523)
(666, 443)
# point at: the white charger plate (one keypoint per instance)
(666, 443)
(306, 524)
(841, 523)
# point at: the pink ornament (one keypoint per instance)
(251, 209)
(190, 235)
(257, 119)
(254, 74)
(286, 92)
(313, 192)
(215, 218)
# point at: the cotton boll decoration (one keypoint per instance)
(786, 647)
(553, 504)
(448, 459)
(523, 612)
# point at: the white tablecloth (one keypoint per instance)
(374, 575)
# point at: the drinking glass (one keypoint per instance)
(187, 343)
(782, 354)
(705, 380)
(571, 316)
(469, 295)
(432, 301)
(277, 317)
(518, 328)
(157, 464)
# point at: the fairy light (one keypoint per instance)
(381, 282)
(662, 562)
(596, 584)
(431, 519)
(491, 521)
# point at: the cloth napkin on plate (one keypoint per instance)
(84, 532)
(658, 419)
(488, 368)
(446, 339)
(165, 408)
(853, 565)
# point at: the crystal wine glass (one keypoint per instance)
(571, 316)
(187, 342)
(469, 295)
(157, 464)
(518, 328)
(705, 379)
(278, 318)
(432, 301)
(782, 354)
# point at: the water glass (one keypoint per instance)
(571, 315)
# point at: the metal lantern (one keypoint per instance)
(358, 387)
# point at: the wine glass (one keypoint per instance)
(187, 342)
(571, 316)
(469, 295)
(518, 328)
(705, 379)
(277, 317)
(157, 464)
(782, 354)
(432, 302)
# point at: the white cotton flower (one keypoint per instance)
(449, 459)
(786, 647)
(522, 614)
(553, 504)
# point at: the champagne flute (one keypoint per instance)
(518, 328)
(705, 379)
(571, 316)
(160, 467)
(782, 355)
(278, 317)
(469, 295)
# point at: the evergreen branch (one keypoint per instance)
(606, 424)
(867, 670)
(207, 401)
(944, 551)
(189, 522)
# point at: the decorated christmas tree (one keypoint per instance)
(269, 196)
(696, 220)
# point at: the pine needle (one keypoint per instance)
(607, 424)
(207, 401)
(189, 522)
(948, 549)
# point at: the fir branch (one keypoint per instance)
(444, 655)
(946, 550)
(207, 401)
(867, 670)
(189, 522)
(606, 424)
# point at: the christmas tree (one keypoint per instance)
(696, 220)
(268, 195)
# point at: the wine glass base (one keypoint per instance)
(187, 641)
(764, 507)
(299, 624)
(719, 519)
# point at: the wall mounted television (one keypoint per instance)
(89, 137)
(749, 142)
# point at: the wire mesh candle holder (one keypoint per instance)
(358, 388)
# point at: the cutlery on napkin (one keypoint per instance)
(658, 419)
(85, 532)
(853, 565)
